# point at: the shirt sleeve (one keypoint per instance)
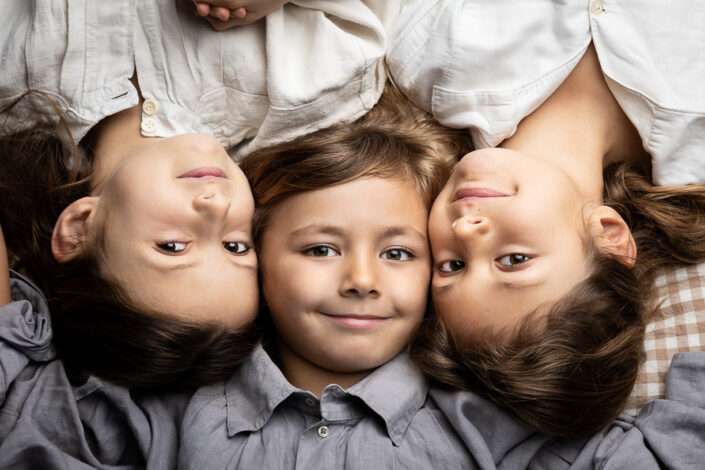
(667, 433)
(25, 331)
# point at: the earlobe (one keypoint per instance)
(70, 235)
(612, 235)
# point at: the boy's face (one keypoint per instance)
(346, 272)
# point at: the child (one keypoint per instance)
(90, 206)
(545, 246)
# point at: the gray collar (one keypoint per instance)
(395, 392)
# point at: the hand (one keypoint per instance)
(224, 14)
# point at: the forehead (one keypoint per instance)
(368, 201)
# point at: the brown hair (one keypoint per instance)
(571, 374)
(393, 140)
(96, 327)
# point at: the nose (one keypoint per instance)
(360, 278)
(470, 226)
(212, 205)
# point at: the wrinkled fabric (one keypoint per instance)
(306, 66)
(48, 422)
(486, 64)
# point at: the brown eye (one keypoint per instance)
(320, 251)
(451, 266)
(397, 254)
(513, 260)
(236, 248)
(172, 247)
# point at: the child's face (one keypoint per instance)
(346, 272)
(507, 234)
(177, 216)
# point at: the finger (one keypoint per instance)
(238, 12)
(221, 13)
(203, 9)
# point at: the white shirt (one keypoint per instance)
(306, 66)
(487, 64)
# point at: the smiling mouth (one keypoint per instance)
(205, 172)
(465, 193)
(356, 322)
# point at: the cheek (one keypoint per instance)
(291, 286)
(409, 291)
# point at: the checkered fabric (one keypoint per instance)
(677, 326)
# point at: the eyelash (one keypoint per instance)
(450, 272)
(513, 267)
(404, 251)
(503, 267)
(166, 247)
(332, 252)
(309, 251)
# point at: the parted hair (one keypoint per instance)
(570, 373)
(96, 327)
(393, 140)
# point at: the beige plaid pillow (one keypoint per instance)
(677, 326)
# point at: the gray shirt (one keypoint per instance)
(393, 419)
(48, 421)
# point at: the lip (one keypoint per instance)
(356, 322)
(465, 193)
(205, 172)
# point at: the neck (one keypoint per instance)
(581, 129)
(114, 138)
(306, 375)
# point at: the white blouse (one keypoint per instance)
(307, 65)
(487, 64)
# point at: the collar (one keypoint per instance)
(253, 392)
(395, 391)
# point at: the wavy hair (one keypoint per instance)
(97, 329)
(571, 374)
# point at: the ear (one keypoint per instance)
(70, 235)
(612, 235)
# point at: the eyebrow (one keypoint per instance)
(190, 264)
(388, 232)
(317, 228)
(515, 286)
(519, 285)
(170, 267)
(402, 230)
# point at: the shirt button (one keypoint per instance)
(150, 107)
(310, 402)
(323, 432)
(149, 125)
(597, 7)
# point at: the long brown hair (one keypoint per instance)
(572, 373)
(96, 327)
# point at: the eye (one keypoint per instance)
(397, 254)
(320, 251)
(172, 247)
(513, 260)
(236, 248)
(451, 266)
